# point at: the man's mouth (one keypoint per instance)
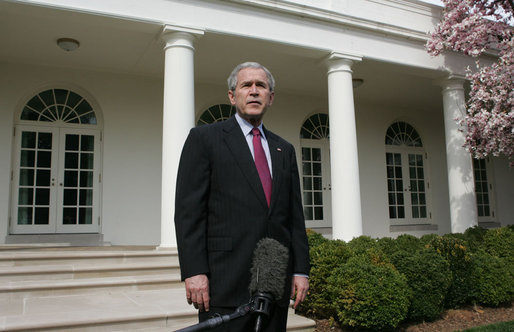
(254, 102)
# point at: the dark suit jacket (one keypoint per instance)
(221, 211)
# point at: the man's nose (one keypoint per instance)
(253, 89)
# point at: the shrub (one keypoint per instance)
(361, 244)
(369, 293)
(455, 251)
(475, 237)
(500, 243)
(492, 279)
(428, 275)
(325, 257)
(315, 239)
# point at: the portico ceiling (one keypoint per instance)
(109, 44)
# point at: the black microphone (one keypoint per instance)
(268, 276)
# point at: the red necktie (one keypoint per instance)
(262, 164)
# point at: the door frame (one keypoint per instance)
(57, 176)
(324, 145)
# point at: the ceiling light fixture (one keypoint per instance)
(68, 44)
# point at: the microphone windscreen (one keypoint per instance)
(268, 272)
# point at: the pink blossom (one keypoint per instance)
(473, 27)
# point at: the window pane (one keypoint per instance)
(71, 178)
(398, 172)
(85, 216)
(86, 160)
(43, 177)
(71, 160)
(87, 143)
(401, 212)
(86, 197)
(41, 216)
(415, 212)
(318, 198)
(28, 140)
(306, 154)
(307, 169)
(69, 216)
(44, 159)
(44, 141)
(27, 158)
(317, 183)
(392, 212)
(399, 185)
(24, 215)
(26, 177)
(72, 142)
(307, 198)
(316, 169)
(423, 211)
(42, 196)
(318, 213)
(316, 154)
(392, 199)
(25, 196)
(307, 183)
(399, 198)
(70, 197)
(86, 179)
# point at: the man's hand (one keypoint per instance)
(299, 288)
(197, 291)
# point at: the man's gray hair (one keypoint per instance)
(232, 79)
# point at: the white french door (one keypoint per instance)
(316, 185)
(407, 186)
(56, 178)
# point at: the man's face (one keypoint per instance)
(252, 95)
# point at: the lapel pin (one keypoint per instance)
(279, 149)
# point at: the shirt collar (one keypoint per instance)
(246, 126)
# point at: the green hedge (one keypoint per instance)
(379, 283)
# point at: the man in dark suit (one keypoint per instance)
(230, 194)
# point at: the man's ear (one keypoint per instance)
(271, 97)
(231, 97)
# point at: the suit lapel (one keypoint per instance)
(236, 142)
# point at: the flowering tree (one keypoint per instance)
(473, 27)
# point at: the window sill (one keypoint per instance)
(418, 227)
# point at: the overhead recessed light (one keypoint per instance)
(68, 44)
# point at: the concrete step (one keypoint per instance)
(85, 256)
(143, 310)
(76, 271)
(96, 289)
(37, 288)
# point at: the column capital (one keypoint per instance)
(180, 36)
(452, 82)
(338, 61)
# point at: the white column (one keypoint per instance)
(344, 159)
(178, 117)
(463, 209)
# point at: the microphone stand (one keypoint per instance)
(260, 303)
(215, 321)
(262, 306)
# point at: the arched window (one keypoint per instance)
(216, 113)
(316, 127)
(407, 183)
(55, 105)
(402, 133)
(314, 136)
